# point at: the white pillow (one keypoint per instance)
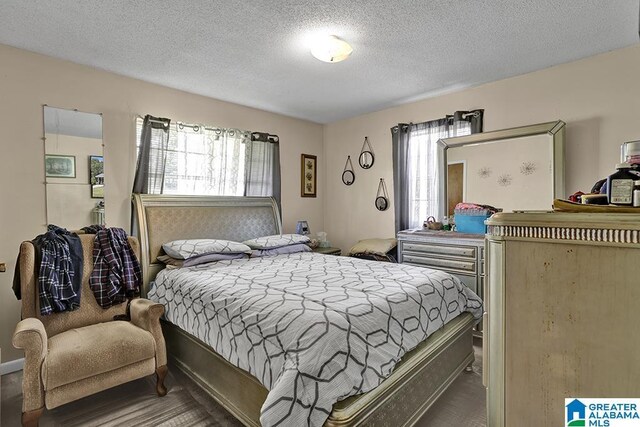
(276, 241)
(185, 249)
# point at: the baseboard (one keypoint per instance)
(11, 366)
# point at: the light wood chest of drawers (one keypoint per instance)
(460, 254)
(561, 315)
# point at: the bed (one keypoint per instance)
(420, 377)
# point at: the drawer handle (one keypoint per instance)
(444, 250)
(459, 265)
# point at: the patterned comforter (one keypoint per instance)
(313, 329)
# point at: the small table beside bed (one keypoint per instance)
(328, 250)
(302, 338)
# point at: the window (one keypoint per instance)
(423, 166)
(416, 178)
(203, 161)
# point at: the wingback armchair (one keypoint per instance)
(73, 354)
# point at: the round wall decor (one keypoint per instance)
(382, 199)
(366, 158)
(348, 177)
(381, 203)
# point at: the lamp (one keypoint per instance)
(302, 227)
(331, 49)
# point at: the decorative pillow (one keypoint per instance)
(200, 259)
(282, 250)
(373, 246)
(185, 249)
(276, 241)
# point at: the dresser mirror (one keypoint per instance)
(514, 169)
(74, 168)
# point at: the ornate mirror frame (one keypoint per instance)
(555, 129)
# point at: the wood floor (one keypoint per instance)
(136, 404)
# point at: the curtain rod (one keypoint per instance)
(255, 136)
(151, 120)
(180, 124)
(195, 127)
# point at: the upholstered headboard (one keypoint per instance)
(161, 219)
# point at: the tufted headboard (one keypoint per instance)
(161, 219)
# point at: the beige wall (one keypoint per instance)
(598, 97)
(27, 81)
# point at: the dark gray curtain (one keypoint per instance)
(400, 147)
(152, 156)
(262, 166)
(457, 124)
(459, 120)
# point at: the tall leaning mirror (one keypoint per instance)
(514, 169)
(74, 168)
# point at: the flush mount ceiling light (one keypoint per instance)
(331, 49)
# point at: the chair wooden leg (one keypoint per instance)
(30, 418)
(161, 373)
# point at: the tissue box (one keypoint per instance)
(471, 223)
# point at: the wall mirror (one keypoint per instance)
(513, 169)
(74, 168)
(366, 158)
(348, 176)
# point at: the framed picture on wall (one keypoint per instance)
(59, 166)
(96, 176)
(308, 177)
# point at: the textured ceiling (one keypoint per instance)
(256, 52)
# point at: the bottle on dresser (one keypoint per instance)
(620, 185)
(636, 194)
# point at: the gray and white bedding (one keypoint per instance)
(313, 329)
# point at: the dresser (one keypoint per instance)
(460, 254)
(562, 313)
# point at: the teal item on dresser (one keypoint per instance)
(473, 224)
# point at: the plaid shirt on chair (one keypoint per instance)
(60, 270)
(116, 272)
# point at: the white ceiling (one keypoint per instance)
(256, 52)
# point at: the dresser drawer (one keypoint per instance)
(429, 248)
(470, 282)
(439, 263)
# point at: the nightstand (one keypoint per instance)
(328, 251)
